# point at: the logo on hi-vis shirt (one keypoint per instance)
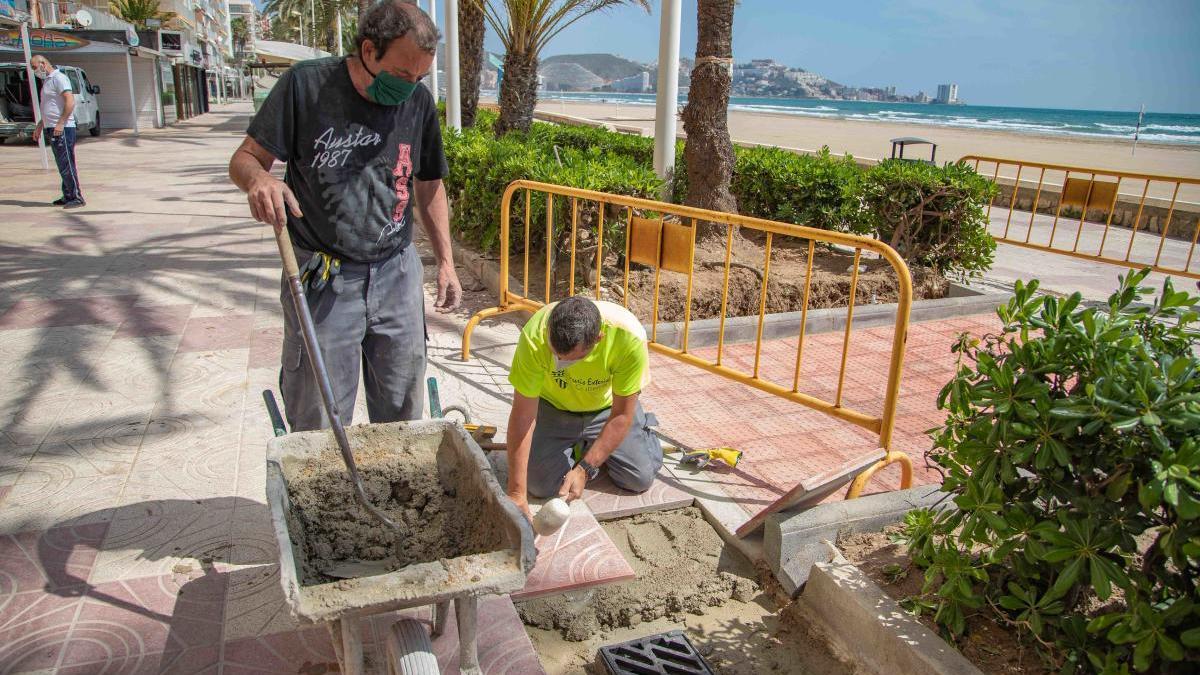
(589, 384)
(560, 377)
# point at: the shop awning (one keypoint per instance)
(270, 52)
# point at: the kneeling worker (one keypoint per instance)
(577, 371)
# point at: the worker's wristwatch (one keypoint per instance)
(588, 470)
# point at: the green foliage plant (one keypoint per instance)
(1072, 451)
(818, 190)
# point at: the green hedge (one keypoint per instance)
(482, 166)
(937, 211)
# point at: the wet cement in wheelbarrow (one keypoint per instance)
(401, 477)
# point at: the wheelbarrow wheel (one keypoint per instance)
(410, 650)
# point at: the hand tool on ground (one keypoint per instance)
(482, 433)
(317, 362)
(701, 457)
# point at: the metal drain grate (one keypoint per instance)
(663, 654)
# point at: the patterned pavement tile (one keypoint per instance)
(104, 309)
(230, 331)
(503, 645)
(195, 661)
(53, 560)
(579, 555)
(123, 620)
(46, 504)
(607, 501)
(155, 320)
(33, 629)
(255, 605)
(305, 651)
(184, 539)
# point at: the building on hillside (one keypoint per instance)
(947, 93)
(637, 84)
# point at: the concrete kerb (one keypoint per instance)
(794, 542)
(863, 623)
(962, 301)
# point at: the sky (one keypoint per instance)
(1093, 54)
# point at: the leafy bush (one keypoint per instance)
(815, 190)
(1072, 449)
(482, 166)
(932, 216)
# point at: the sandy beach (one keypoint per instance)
(869, 139)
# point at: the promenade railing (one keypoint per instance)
(1160, 232)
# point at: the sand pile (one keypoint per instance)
(402, 476)
(682, 568)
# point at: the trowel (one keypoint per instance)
(317, 362)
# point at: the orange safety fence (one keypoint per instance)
(662, 237)
(1098, 192)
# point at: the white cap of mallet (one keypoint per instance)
(551, 516)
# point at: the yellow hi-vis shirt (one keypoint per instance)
(618, 364)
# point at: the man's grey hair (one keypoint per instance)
(574, 322)
(38, 58)
(388, 20)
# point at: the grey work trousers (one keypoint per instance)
(377, 323)
(632, 466)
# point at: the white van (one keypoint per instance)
(16, 113)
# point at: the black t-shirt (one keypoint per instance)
(350, 161)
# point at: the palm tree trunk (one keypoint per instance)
(330, 40)
(518, 93)
(708, 150)
(363, 6)
(470, 43)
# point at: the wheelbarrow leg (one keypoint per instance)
(465, 610)
(440, 612)
(351, 653)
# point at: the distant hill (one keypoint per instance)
(605, 66)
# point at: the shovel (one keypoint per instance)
(292, 269)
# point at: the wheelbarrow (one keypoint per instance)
(342, 603)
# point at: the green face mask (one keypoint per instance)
(387, 89)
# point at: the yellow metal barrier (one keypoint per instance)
(669, 245)
(1089, 189)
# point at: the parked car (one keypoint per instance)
(16, 112)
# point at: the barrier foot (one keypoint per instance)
(480, 316)
(893, 456)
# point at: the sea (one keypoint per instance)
(1171, 128)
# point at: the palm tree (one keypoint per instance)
(525, 27)
(137, 11)
(709, 151)
(471, 55)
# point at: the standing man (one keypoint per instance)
(577, 372)
(58, 124)
(361, 141)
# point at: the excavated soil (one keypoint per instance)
(993, 648)
(401, 476)
(830, 287)
(688, 579)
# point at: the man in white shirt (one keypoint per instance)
(58, 124)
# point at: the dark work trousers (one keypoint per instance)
(632, 466)
(376, 323)
(64, 155)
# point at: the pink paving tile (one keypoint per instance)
(101, 309)
(579, 555)
(607, 501)
(196, 661)
(33, 629)
(503, 645)
(154, 320)
(265, 346)
(217, 332)
(124, 620)
(305, 651)
(54, 560)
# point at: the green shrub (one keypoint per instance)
(815, 190)
(1072, 449)
(932, 216)
(482, 166)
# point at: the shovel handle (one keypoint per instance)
(286, 253)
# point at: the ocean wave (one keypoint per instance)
(1121, 128)
(1174, 127)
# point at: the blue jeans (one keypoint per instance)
(64, 155)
